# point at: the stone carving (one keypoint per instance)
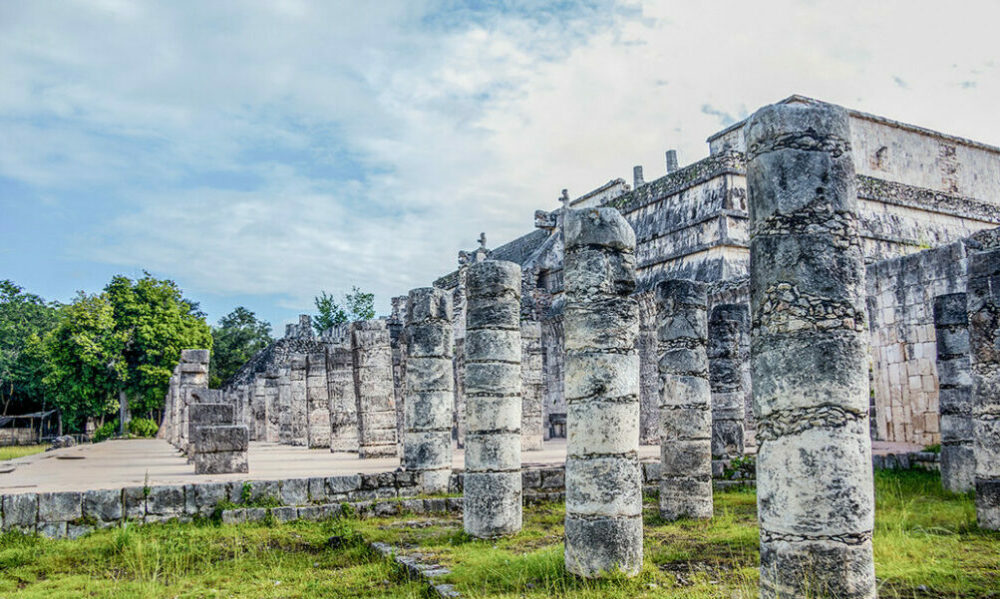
(492, 482)
(685, 401)
(373, 389)
(984, 341)
(601, 319)
(429, 389)
(951, 330)
(809, 355)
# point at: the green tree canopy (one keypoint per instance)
(358, 305)
(25, 319)
(84, 354)
(156, 323)
(238, 337)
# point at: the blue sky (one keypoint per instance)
(258, 153)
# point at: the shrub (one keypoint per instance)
(106, 431)
(142, 427)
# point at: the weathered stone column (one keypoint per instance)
(809, 356)
(984, 340)
(272, 404)
(284, 404)
(297, 399)
(685, 401)
(601, 319)
(340, 381)
(193, 375)
(532, 388)
(317, 400)
(373, 390)
(221, 449)
(492, 481)
(206, 410)
(430, 400)
(951, 330)
(725, 373)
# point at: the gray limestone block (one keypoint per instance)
(213, 439)
(413, 506)
(531, 479)
(237, 516)
(52, 530)
(75, 531)
(958, 468)
(727, 438)
(200, 356)
(386, 508)
(685, 391)
(429, 340)
(685, 423)
(134, 500)
(429, 410)
(427, 450)
(957, 428)
(429, 374)
(20, 512)
(954, 372)
(317, 490)
(987, 436)
(682, 361)
(816, 568)
(256, 514)
(208, 495)
(597, 227)
(285, 514)
(206, 414)
(165, 501)
(650, 472)
(597, 547)
(488, 313)
(802, 372)
(265, 489)
(685, 497)
(602, 427)
(60, 507)
(607, 324)
(404, 478)
(430, 481)
(599, 271)
(428, 303)
(493, 344)
(221, 462)
(953, 342)
(492, 503)
(602, 375)
(492, 451)
(604, 486)
(553, 478)
(343, 484)
(493, 278)
(988, 503)
(956, 401)
(493, 413)
(789, 501)
(104, 505)
(689, 324)
(295, 491)
(492, 379)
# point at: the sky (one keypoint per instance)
(258, 153)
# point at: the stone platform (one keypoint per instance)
(147, 462)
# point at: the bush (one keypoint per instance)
(142, 427)
(106, 431)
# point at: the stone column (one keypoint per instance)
(532, 426)
(429, 386)
(343, 405)
(492, 481)
(193, 375)
(725, 373)
(284, 405)
(206, 411)
(317, 401)
(685, 401)
(272, 404)
(373, 389)
(984, 341)
(221, 449)
(396, 324)
(951, 330)
(297, 400)
(601, 319)
(809, 355)
(258, 409)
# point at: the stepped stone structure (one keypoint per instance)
(685, 401)
(373, 389)
(815, 494)
(429, 405)
(984, 340)
(951, 327)
(729, 374)
(601, 319)
(492, 483)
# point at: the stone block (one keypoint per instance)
(165, 502)
(60, 507)
(104, 505)
(295, 491)
(20, 512)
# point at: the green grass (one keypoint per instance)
(926, 545)
(197, 560)
(9, 452)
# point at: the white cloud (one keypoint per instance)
(447, 126)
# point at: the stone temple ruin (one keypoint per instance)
(824, 278)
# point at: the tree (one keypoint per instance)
(84, 357)
(358, 305)
(156, 323)
(238, 337)
(25, 319)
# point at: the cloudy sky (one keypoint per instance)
(259, 152)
